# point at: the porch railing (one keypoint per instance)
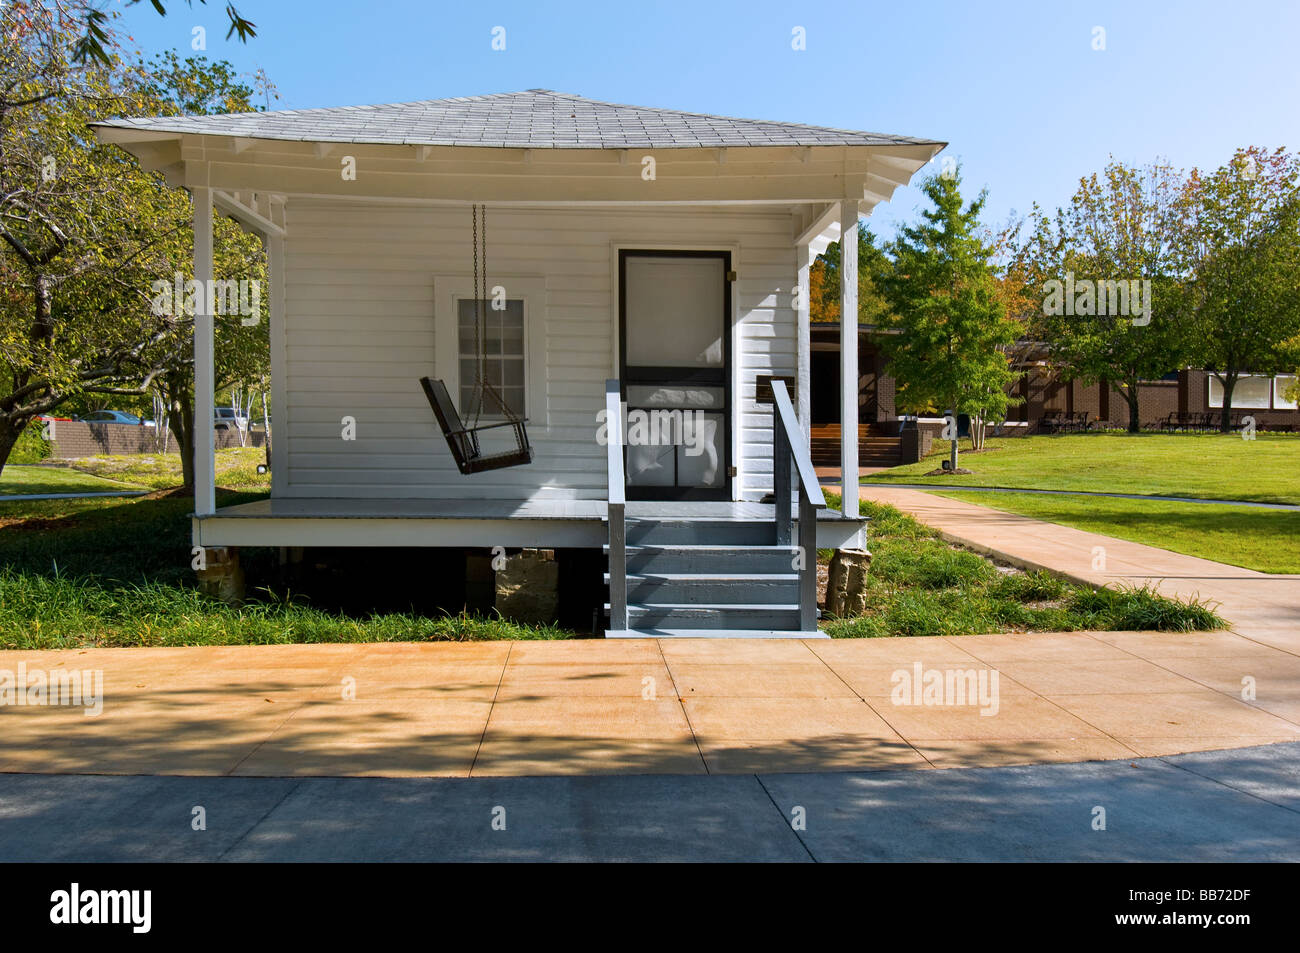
(789, 446)
(617, 502)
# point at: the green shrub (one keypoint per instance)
(32, 447)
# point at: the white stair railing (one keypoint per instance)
(617, 503)
(788, 445)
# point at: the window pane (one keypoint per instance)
(674, 311)
(650, 465)
(1252, 393)
(1281, 384)
(643, 395)
(699, 458)
(501, 339)
(468, 371)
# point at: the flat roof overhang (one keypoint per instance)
(686, 175)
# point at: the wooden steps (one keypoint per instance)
(875, 447)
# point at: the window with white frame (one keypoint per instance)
(491, 344)
(1254, 392)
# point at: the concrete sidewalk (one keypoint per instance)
(649, 706)
(1239, 806)
(27, 497)
(1262, 607)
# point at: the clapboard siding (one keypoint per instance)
(359, 332)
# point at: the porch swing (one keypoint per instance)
(462, 439)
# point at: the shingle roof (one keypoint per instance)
(535, 118)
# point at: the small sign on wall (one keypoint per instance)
(763, 391)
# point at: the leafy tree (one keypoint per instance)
(1126, 226)
(171, 86)
(85, 233)
(96, 40)
(946, 307)
(1243, 300)
(1291, 349)
(67, 217)
(824, 281)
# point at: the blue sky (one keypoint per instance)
(1016, 88)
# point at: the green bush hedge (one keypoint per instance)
(31, 447)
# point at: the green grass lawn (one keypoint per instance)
(117, 572)
(920, 585)
(1263, 540)
(1204, 466)
(77, 573)
(17, 479)
(236, 467)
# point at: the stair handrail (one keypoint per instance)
(616, 502)
(788, 444)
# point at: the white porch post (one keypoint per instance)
(205, 475)
(849, 357)
(803, 335)
(279, 387)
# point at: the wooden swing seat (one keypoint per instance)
(463, 441)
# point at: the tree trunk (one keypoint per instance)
(977, 431)
(1130, 395)
(9, 434)
(266, 427)
(1229, 382)
(180, 418)
(953, 453)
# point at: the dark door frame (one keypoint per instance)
(712, 377)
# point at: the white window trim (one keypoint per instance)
(531, 289)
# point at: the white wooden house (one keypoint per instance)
(667, 252)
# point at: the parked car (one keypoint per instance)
(111, 417)
(228, 418)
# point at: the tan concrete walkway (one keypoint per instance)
(647, 706)
(1262, 607)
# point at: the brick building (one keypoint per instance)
(1043, 392)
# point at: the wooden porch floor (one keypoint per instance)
(324, 521)
(327, 508)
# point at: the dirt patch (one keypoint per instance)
(941, 472)
(36, 523)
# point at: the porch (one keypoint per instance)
(549, 524)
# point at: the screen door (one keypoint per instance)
(674, 309)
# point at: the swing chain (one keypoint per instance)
(483, 387)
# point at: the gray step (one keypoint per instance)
(700, 532)
(744, 616)
(732, 560)
(697, 588)
(666, 633)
